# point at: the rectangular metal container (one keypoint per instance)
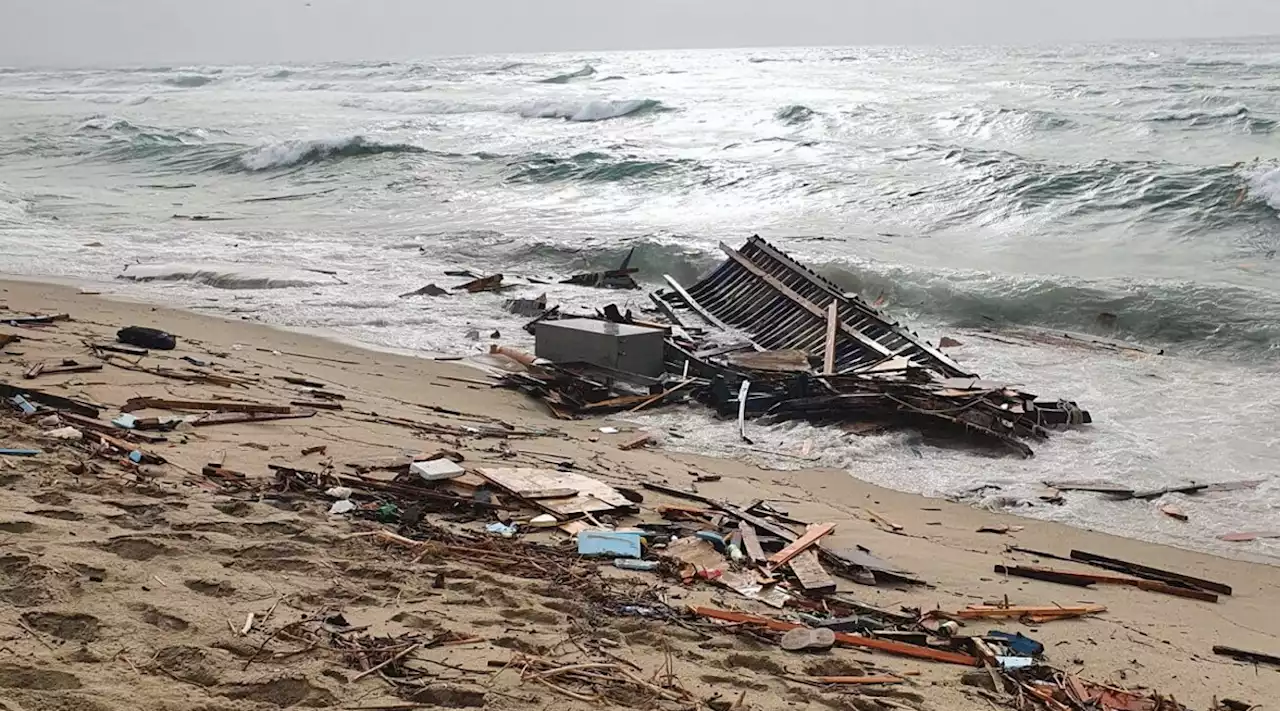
(631, 349)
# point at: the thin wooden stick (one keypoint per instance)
(396, 658)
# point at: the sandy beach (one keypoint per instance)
(133, 589)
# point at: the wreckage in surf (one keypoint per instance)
(762, 335)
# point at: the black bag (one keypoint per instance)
(144, 337)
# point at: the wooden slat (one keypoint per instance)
(751, 543)
(1065, 577)
(801, 301)
(829, 352)
(1143, 571)
(844, 638)
(809, 571)
(815, 532)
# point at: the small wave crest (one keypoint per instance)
(222, 276)
(795, 115)
(599, 110)
(586, 71)
(1233, 115)
(190, 81)
(590, 166)
(293, 153)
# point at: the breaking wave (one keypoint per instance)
(1237, 115)
(220, 276)
(601, 110)
(795, 115)
(586, 71)
(293, 153)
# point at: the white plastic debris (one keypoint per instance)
(343, 506)
(437, 469)
(69, 434)
(609, 430)
(50, 421)
(339, 492)
(543, 521)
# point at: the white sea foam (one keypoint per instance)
(224, 276)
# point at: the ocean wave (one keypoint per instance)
(655, 255)
(586, 71)
(1193, 316)
(1235, 114)
(795, 115)
(589, 166)
(600, 110)
(293, 153)
(223, 276)
(980, 121)
(190, 81)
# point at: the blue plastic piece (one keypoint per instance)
(502, 529)
(1019, 644)
(618, 544)
(22, 404)
(135, 456)
(19, 452)
(125, 421)
(713, 538)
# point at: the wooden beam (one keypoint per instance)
(142, 403)
(829, 352)
(1064, 577)
(843, 638)
(810, 538)
(801, 301)
(1147, 572)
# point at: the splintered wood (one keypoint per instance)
(589, 495)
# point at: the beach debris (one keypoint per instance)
(1150, 573)
(591, 496)
(948, 342)
(641, 440)
(428, 290)
(527, 307)
(1174, 512)
(146, 337)
(115, 348)
(1246, 536)
(143, 403)
(620, 278)
(53, 402)
(437, 469)
(1063, 577)
(803, 639)
(1247, 656)
(34, 320)
(492, 282)
(1014, 612)
(597, 542)
(811, 536)
(7, 452)
(64, 367)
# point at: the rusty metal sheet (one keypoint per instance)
(592, 495)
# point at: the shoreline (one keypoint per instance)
(938, 541)
(758, 457)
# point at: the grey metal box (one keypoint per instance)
(631, 349)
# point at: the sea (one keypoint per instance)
(1130, 191)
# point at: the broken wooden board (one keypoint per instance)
(592, 495)
(1247, 656)
(992, 612)
(810, 538)
(787, 361)
(233, 418)
(809, 571)
(1143, 571)
(751, 543)
(1065, 577)
(142, 403)
(1100, 487)
(46, 369)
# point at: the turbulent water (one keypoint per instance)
(1130, 191)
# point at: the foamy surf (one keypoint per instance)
(226, 276)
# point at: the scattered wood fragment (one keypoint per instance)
(1246, 536)
(233, 418)
(1247, 656)
(1174, 512)
(810, 573)
(317, 449)
(994, 612)
(51, 401)
(751, 543)
(637, 442)
(1085, 579)
(858, 680)
(1144, 571)
(142, 403)
(843, 638)
(883, 522)
(810, 538)
(317, 405)
(301, 382)
(66, 367)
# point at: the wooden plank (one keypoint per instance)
(987, 612)
(142, 403)
(809, 571)
(636, 442)
(843, 638)
(857, 679)
(829, 351)
(811, 536)
(784, 361)
(751, 543)
(44, 369)
(1065, 577)
(804, 303)
(1143, 571)
(235, 418)
(697, 308)
(591, 495)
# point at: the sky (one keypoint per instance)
(115, 32)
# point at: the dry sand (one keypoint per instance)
(127, 594)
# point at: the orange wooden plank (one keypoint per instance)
(850, 640)
(815, 532)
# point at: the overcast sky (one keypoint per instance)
(96, 32)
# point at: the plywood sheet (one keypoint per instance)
(592, 495)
